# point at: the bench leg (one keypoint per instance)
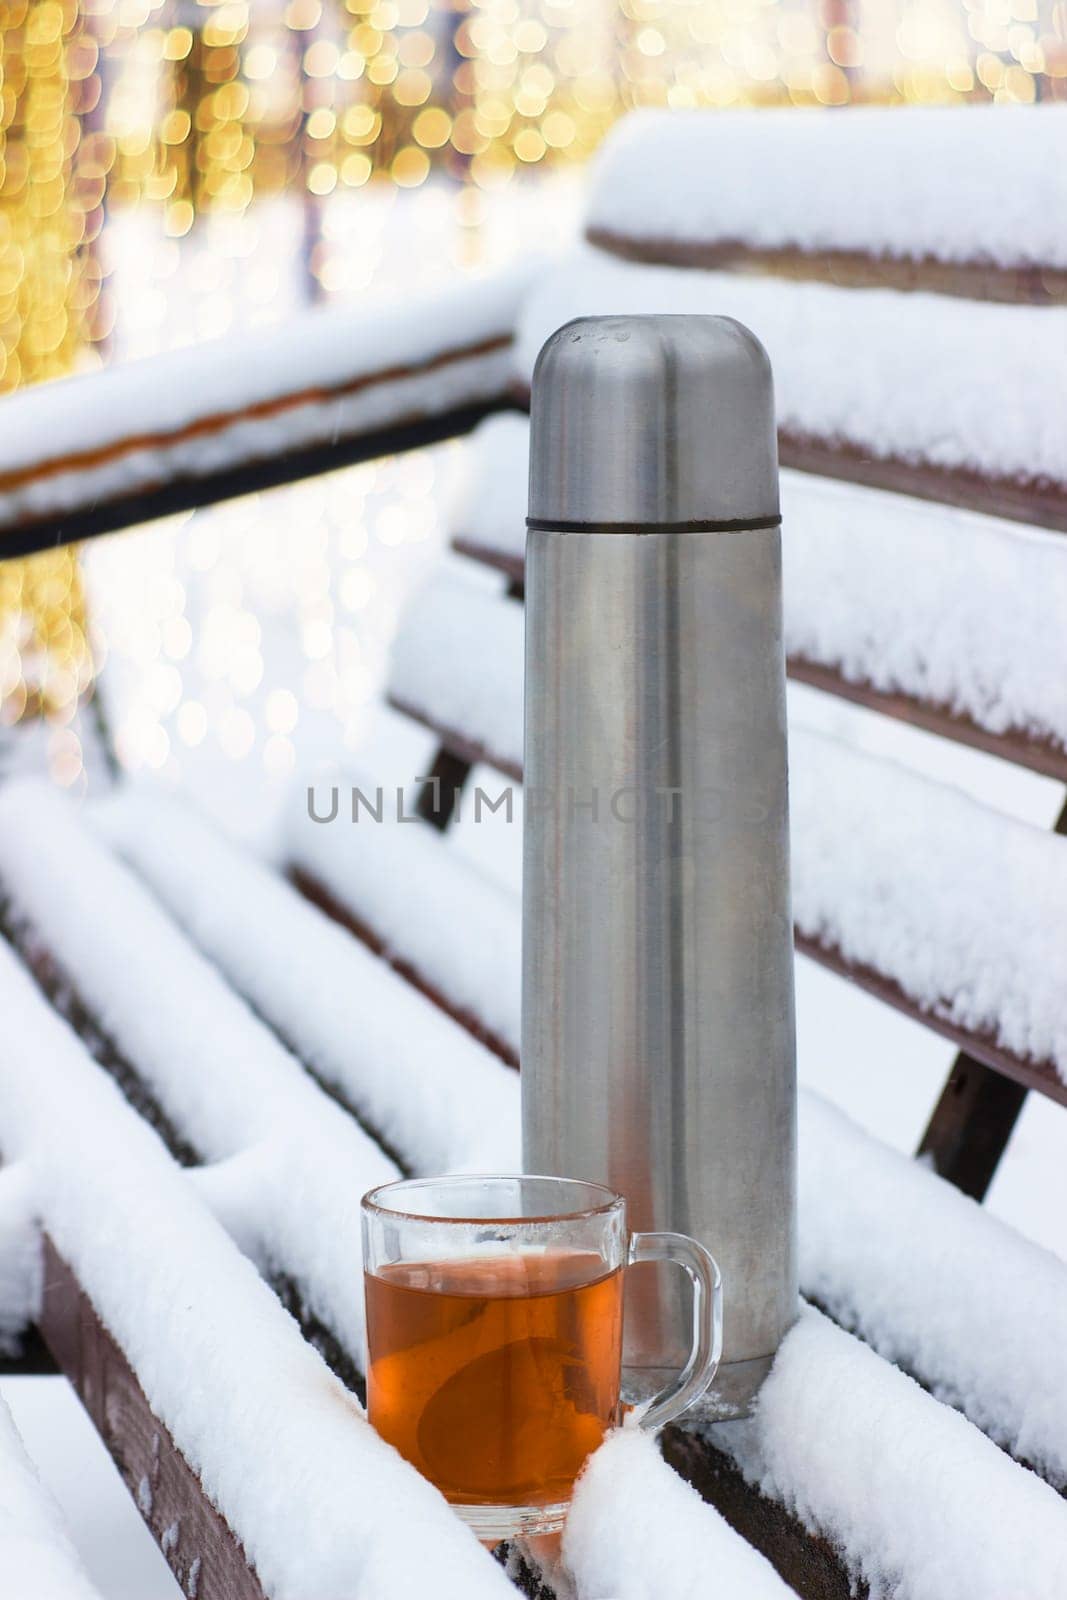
(971, 1125)
(439, 793)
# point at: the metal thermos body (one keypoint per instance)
(658, 1034)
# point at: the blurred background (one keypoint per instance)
(171, 170)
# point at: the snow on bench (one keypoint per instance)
(240, 1099)
(936, 1285)
(907, 1263)
(457, 666)
(980, 186)
(37, 1559)
(324, 388)
(415, 1077)
(960, 906)
(365, 870)
(884, 596)
(672, 1544)
(925, 1506)
(872, 385)
(947, 908)
(320, 1505)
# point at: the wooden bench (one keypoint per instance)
(291, 1037)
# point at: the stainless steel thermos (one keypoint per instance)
(657, 1036)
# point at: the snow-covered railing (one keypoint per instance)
(943, 398)
(252, 1463)
(950, 911)
(896, 604)
(37, 1558)
(965, 201)
(89, 454)
(906, 1263)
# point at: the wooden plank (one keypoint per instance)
(1017, 745)
(1041, 755)
(189, 493)
(847, 269)
(199, 1546)
(981, 1047)
(1038, 502)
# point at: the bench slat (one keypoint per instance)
(198, 1545)
(847, 269)
(90, 454)
(963, 200)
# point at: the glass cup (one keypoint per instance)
(494, 1335)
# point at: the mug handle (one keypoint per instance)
(700, 1369)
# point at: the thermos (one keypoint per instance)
(658, 1034)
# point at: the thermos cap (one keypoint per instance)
(653, 424)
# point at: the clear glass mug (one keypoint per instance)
(494, 1335)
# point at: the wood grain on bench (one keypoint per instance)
(197, 1543)
(1030, 285)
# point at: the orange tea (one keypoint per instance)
(496, 1376)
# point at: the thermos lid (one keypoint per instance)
(652, 424)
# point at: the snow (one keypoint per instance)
(956, 609)
(979, 1313)
(413, 1074)
(322, 1506)
(903, 594)
(918, 1502)
(957, 903)
(459, 930)
(636, 1531)
(976, 183)
(458, 659)
(491, 510)
(960, 905)
(903, 376)
(37, 1559)
(20, 1257)
(216, 1069)
(291, 373)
